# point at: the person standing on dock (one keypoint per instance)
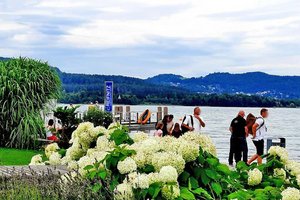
(194, 122)
(238, 142)
(259, 131)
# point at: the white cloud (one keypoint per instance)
(258, 35)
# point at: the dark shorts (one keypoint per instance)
(259, 147)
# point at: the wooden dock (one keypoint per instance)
(140, 127)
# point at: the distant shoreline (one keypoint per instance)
(169, 105)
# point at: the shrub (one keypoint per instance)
(69, 124)
(98, 117)
(26, 85)
(174, 168)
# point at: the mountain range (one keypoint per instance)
(252, 83)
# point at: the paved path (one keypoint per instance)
(28, 170)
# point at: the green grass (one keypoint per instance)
(17, 156)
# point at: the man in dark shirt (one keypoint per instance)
(238, 142)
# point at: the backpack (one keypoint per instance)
(183, 128)
(250, 121)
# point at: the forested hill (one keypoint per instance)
(254, 83)
(83, 88)
(169, 89)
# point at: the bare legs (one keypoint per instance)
(256, 156)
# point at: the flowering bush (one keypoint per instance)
(254, 177)
(146, 167)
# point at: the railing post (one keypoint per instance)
(159, 113)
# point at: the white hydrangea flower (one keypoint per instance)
(293, 167)
(153, 177)
(131, 177)
(168, 143)
(149, 145)
(37, 160)
(173, 159)
(114, 126)
(170, 192)
(55, 159)
(103, 144)
(290, 194)
(51, 148)
(91, 151)
(140, 136)
(204, 141)
(140, 159)
(281, 152)
(77, 150)
(168, 174)
(189, 150)
(123, 192)
(83, 162)
(280, 173)
(84, 133)
(98, 130)
(254, 177)
(141, 181)
(74, 153)
(99, 155)
(126, 166)
(84, 127)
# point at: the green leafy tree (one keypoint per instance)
(69, 123)
(98, 117)
(26, 85)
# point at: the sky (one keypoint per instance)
(143, 38)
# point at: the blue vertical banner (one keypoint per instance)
(108, 98)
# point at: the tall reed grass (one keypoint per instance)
(26, 85)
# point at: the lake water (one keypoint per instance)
(283, 122)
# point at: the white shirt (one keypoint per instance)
(261, 130)
(49, 132)
(197, 125)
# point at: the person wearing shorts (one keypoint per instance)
(259, 132)
(259, 147)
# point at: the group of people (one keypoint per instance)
(240, 129)
(189, 123)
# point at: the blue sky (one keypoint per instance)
(143, 38)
